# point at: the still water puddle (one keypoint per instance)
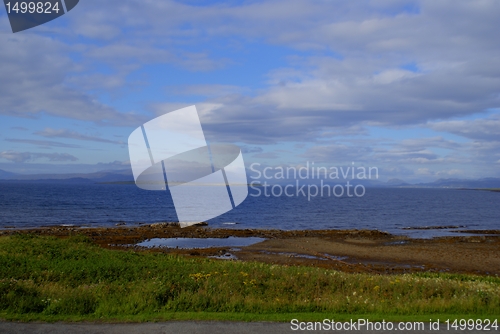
(226, 256)
(200, 242)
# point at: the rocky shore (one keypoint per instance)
(345, 250)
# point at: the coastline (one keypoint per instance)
(357, 251)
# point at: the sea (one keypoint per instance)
(414, 212)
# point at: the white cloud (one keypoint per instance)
(349, 65)
(42, 143)
(36, 68)
(363, 81)
(424, 171)
(21, 157)
(214, 90)
(65, 133)
(451, 173)
(481, 129)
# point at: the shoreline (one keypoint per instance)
(456, 230)
(368, 251)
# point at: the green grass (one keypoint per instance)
(49, 279)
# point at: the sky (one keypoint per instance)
(409, 87)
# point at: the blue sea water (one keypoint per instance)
(24, 205)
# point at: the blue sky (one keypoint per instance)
(411, 87)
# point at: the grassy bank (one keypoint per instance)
(44, 278)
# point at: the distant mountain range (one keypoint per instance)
(489, 182)
(5, 175)
(97, 177)
(125, 176)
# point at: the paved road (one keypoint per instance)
(191, 327)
